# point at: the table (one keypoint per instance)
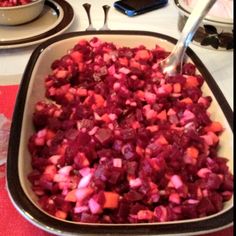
(13, 62)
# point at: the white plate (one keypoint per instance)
(56, 17)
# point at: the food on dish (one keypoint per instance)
(222, 8)
(118, 142)
(216, 30)
(19, 12)
(13, 3)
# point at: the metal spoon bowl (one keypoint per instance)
(175, 59)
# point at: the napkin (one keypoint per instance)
(7, 101)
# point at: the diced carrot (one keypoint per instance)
(61, 74)
(152, 128)
(134, 64)
(150, 114)
(83, 160)
(187, 100)
(50, 134)
(123, 61)
(161, 140)
(50, 171)
(135, 125)
(81, 67)
(192, 152)
(71, 196)
(177, 88)
(87, 100)
(191, 81)
(171, 111)
(82, 92)
(99, 100)
(77, 56)
(162, 115)
(105, 118)
(111, 200)
(69, 97)
(142, 54)
(215, 127)
(62, 149)
(140, 94)
(139, 150)
(61, 214)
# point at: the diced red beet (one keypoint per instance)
(88, 218)
(103, 135)
(120, 142)
(133, 196)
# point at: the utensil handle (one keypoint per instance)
(106, 8)
(191, 26)
(87, 7)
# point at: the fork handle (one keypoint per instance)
(87, 7)
(106, 8)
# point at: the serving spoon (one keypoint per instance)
(170, 64)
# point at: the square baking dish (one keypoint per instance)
(19, 160)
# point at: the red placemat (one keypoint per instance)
(12, 223)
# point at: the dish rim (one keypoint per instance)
(62, 25)
(210, 19)
(50, 224)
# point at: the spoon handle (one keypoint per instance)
(195, 18)
(191, 26)
(106, 8)
(87, 7)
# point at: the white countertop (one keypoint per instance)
(219, 63)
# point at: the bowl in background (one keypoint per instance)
(19, 159)
(21, 14)
(215, 32)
